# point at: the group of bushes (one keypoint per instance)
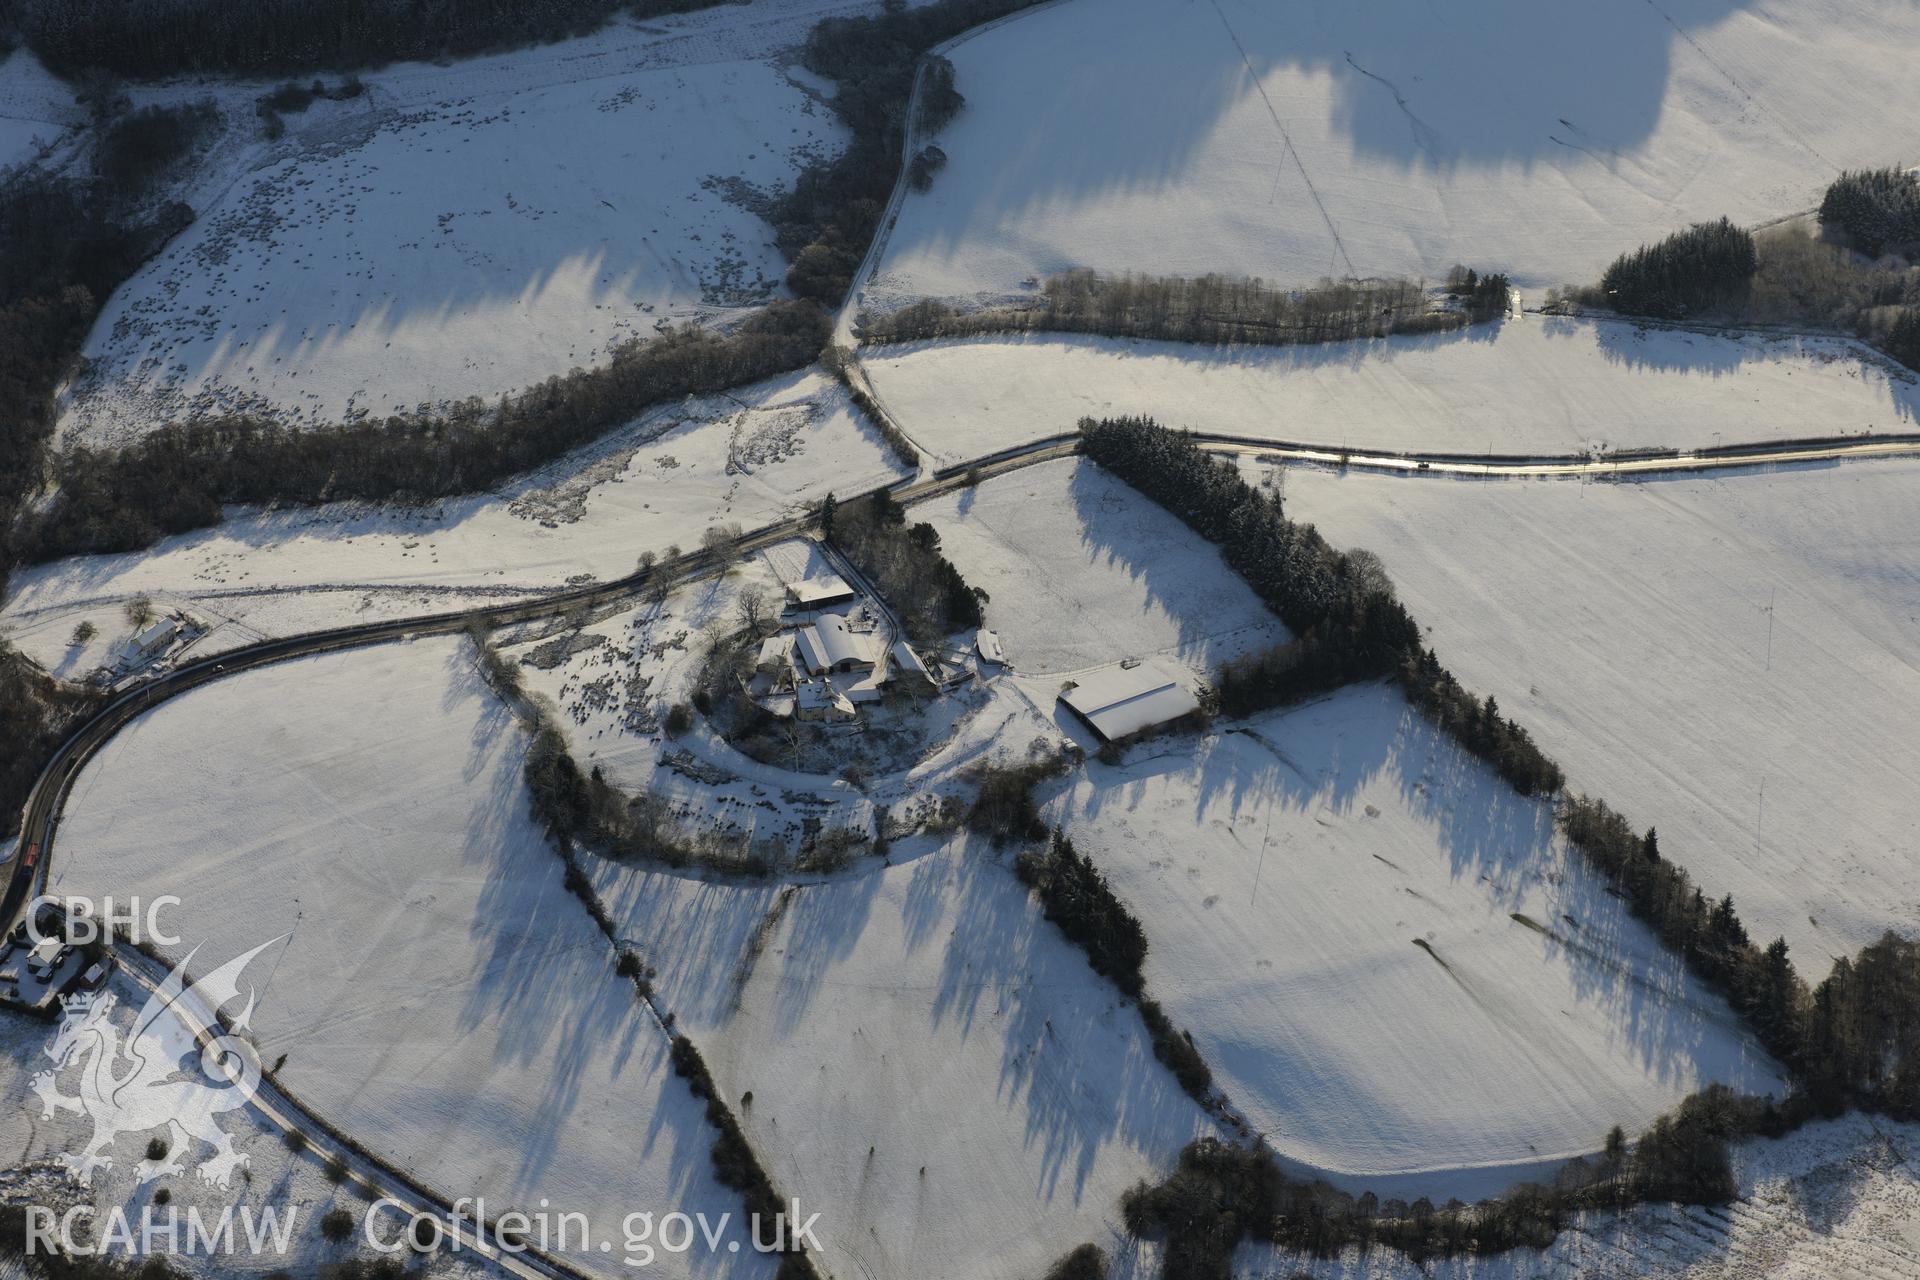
(151, 39)
(298, 97)
(1003, 807)
(1478, 726)
(1484, 297)
(1212, 309)
(140, 146)
(826, 222)
(1340, 608)
(904, 563)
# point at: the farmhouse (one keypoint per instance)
(1123, 700)
(818, 700)
(150, 640)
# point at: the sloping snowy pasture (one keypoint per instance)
(1396, 970)
(1839, 1198)
(931, 1065)
(292, 1186)
(37, 111)
(1081, 570)
(1533, 385)
(465, 231)
(747, 457)
(1295, 141)
(440, 995)
(1728, 658)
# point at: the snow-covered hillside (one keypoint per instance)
(1533, 385)
(1295, 141)
(1394, 967)
(466, 230)
(441, 996)
(1081, 570)
(929, 1060)
(1729, 658)
(750, 456)
(1837, 1199)
(37, 111)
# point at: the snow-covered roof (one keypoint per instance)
(829, 588)
(987, 645)
(818, 695)
(908, 661)
(1118, 700)
(776, 649)
(155, 634)
(827, 642)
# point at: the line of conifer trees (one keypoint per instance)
(1212, 309)
(178, 477)
(1340, 606)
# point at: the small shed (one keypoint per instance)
(987, 645)
(913, 671)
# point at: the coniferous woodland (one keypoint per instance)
(1705, 268)
(151, 39)
(1211, 309)
(1877, 209)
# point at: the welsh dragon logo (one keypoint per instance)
(135, 1085)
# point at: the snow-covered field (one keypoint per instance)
(930, 1063)
(293, 1187)
(1396, 970)
(36, 110)
(1534, 385)
(1307, 140)
(1836, 1200)
(1081, 570)
(466, 230)
(1728, 658)
(750, 457)
(440, 995)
